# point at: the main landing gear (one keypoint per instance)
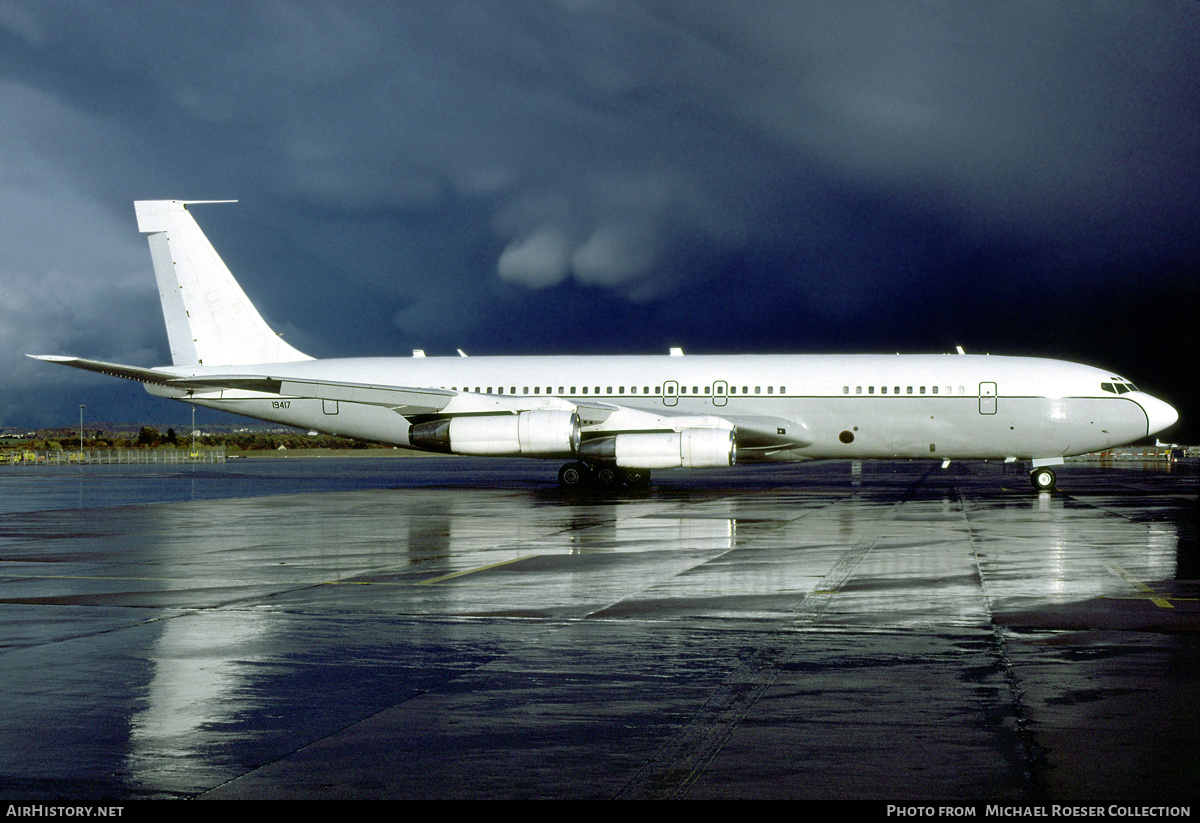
(578, 475)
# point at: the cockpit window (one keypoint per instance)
(1118, 387)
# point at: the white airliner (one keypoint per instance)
(617, 418)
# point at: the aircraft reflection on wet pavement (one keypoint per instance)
(437, 639)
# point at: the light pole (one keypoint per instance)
(82, 406)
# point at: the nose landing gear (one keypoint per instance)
(1043, 479)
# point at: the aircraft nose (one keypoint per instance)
(1159, 415)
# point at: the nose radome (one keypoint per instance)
(1159, 415)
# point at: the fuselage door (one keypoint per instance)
(987, 398)
(670, 393)
(720, 392)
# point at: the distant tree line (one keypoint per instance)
(149, 437)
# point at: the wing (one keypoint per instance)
(596, 430)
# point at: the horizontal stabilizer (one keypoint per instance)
(142, 375)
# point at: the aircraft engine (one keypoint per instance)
(530, 433)
(687, 449)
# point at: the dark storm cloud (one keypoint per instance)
(572, 176)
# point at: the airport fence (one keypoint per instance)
(107, 456)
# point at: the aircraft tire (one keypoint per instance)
(606, 477)
(573, 476)
(1042, 479)
(636, 478)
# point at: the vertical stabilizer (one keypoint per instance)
(210, 321)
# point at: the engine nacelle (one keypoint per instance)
(529, 434)
(687, 449)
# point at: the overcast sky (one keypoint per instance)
(603, 176)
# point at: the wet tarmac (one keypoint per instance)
(458, 628)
